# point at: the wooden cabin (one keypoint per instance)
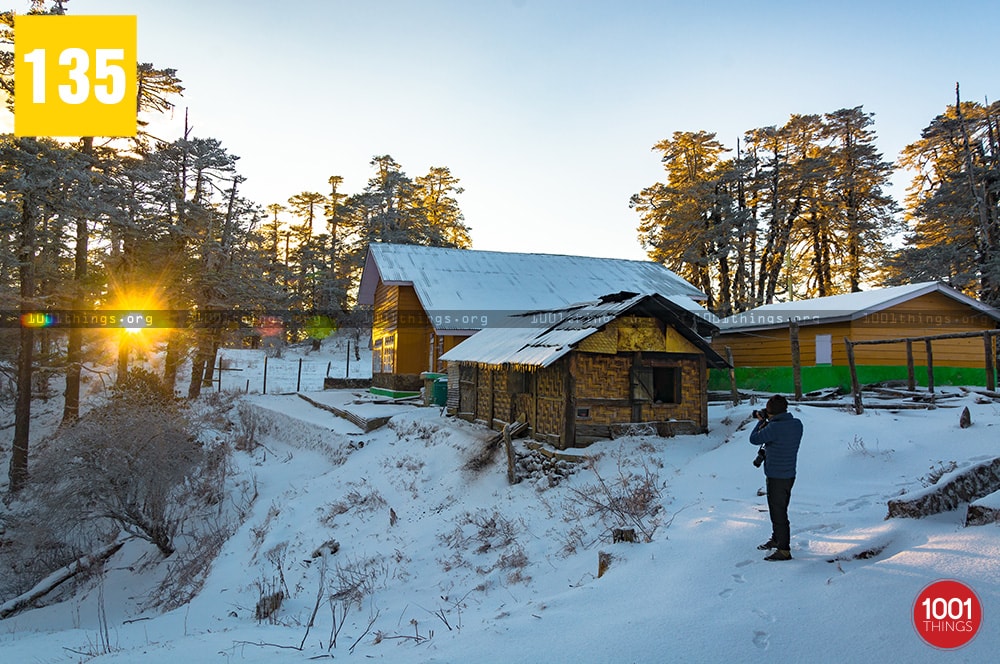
(426, 300)
(624, 363)
(760, 339)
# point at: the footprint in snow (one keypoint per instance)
(764, 615)
(744, 563)
(738, 578)
(728, 592)
(761, 639)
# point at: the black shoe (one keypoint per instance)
(769, 544)
(779, 554)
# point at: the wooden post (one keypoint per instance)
(569, 389)
(911, 381)
(855, 386)
(991, 377)
(996, 350)
(220, 375)
(347, 372)
(298, 381)
(930, 367)
(793, 334)
(733, 392)
(264, 391)
(509, 446)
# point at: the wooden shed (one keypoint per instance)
(426, 300)
(623, 363)
(761, 343)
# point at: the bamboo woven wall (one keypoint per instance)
(603, 384)
(597, 377)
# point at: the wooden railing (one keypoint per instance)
(989, 364)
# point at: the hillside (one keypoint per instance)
(436, 563)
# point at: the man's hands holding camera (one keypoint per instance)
(762, 416)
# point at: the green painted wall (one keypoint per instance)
(779, 379)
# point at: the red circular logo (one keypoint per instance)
(947, 614)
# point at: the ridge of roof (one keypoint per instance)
(844, 307)
(540, 338)
(495, 284)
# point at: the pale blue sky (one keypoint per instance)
(545, 109)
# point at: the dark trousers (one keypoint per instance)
(779, 493)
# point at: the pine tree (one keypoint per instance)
(865, 215)
(435, 194)
(952, 203)
(42, 182)
(681, 220)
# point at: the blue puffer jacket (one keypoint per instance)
(780, 436)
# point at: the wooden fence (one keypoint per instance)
(989, 364)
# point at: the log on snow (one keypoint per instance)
(57, 578)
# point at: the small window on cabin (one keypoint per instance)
(583, 413)
(824, 349)
(666, 385)
(656, 384)
(389, 355)
(377, 356)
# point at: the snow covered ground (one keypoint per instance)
(437, 563)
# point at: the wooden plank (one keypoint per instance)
(911, 381)
(569, 413)
(733, 391)
(365, 424)
(991, 376)
(855, 387)
(930, 366)
(793, 336)
(932, 337)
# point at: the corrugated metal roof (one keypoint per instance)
(539, 338)
(494, 284)
(846, 307)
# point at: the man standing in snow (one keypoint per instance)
(779, 434)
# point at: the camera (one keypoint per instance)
(759, 414)
(759, 459)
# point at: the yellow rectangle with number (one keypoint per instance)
(74, 75)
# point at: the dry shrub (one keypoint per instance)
(630, 500)
(132, 462)
(356, 578)
(485, 532)
(271, 597)
(249, 427)
(355, 501)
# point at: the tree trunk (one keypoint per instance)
(816, 236)
(74, 344)
(172, 362)
(22, 408)
(197, 371)
(123, 353)
(22, 412)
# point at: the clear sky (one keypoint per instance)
(545, 109)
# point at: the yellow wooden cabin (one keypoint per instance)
(427, 300)
(760, 339)
(625, 363)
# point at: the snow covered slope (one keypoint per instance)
(436, 563)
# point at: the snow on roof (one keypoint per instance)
(839, 308)
(460, 287)
(537, 339)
